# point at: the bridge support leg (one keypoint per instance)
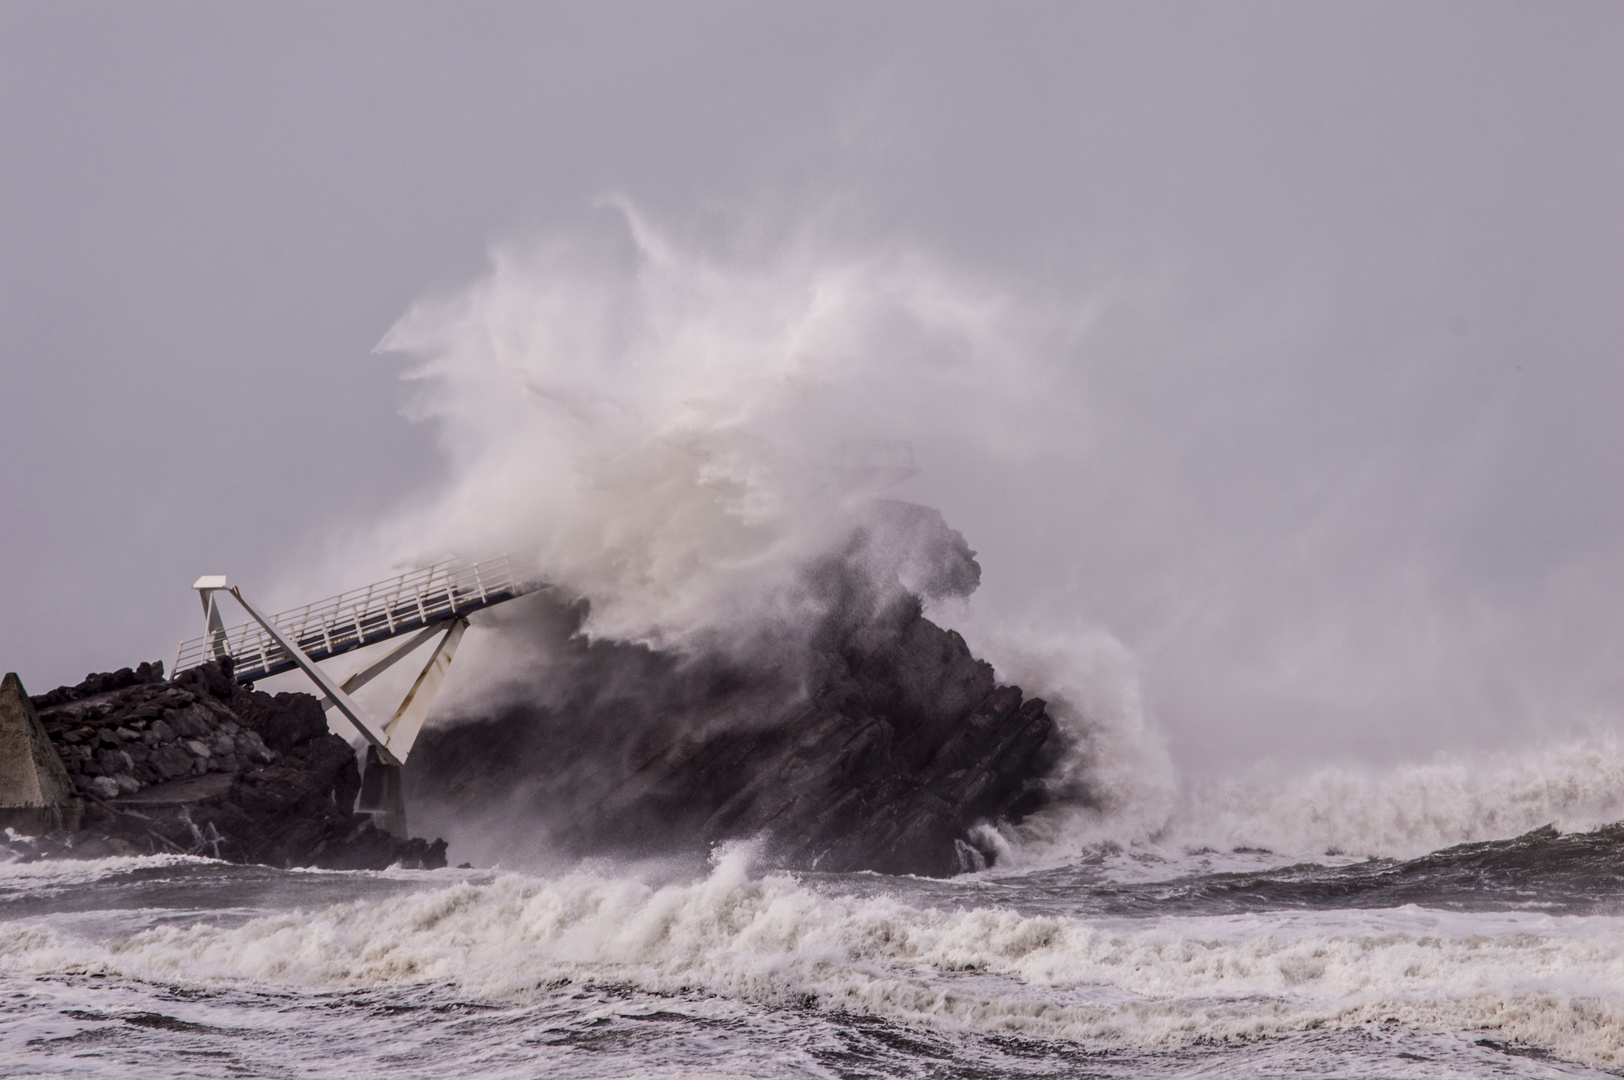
(408, 720)
(382, 787)
(383, 795)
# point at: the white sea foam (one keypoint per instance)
(1556, 983)
(45, 873)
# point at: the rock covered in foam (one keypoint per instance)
(861, 737)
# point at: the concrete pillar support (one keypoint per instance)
(36, 795)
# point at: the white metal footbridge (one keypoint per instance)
(434, 601)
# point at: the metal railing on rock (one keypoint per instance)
(361, 617)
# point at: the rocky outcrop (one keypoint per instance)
(205, 766)
(866, 738)
(902, 754)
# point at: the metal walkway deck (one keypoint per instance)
(351, 620)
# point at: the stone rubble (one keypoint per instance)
(205, 766)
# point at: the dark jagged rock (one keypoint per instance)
(204, 766)
(102, 683)
(868, 739)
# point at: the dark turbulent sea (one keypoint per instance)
(1498, 959)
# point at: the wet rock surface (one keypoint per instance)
(204, 766)
(870, 740)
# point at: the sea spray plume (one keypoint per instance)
(660, 420)
(1115, 783)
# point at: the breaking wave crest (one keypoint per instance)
(1119, 786)
(1544, 981)
(1411, 809)
(1398, 811)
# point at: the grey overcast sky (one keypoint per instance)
(1350, 478)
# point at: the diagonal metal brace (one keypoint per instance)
(206, 587)
(341, 701)
(408, 719)
(403, 727)
(399, 652)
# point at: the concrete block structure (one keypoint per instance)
(36, 795)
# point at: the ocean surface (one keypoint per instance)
(1493, 959)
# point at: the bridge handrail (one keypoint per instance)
(364, 616)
